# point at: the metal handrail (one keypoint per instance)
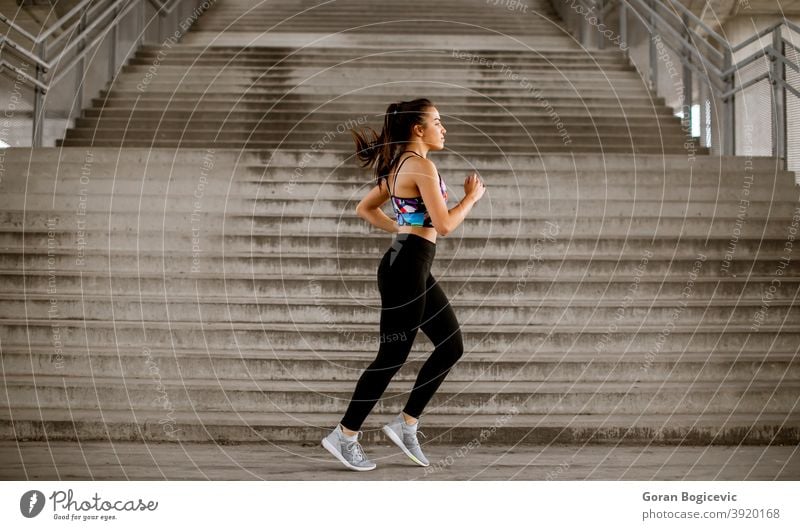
(32, 57)
(36, 39)
(76, 39)
(161, 6)
(702, 52)
(103, 16)
(769, 29)
(687, 45)
(19, 29)
(97, 20)
(722, 41)
(79, 56)
(719, 55)
(89, 14)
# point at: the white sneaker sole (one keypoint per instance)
(332, 450)
(399, 443)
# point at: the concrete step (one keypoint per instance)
(452, 397)
(286, 233)
(667, 126)
(343, 180)
(244, 194)
(537, 134)
(541, 268)
(329, 121)
(560, 287)
(351, 57)
(258, 38)
(376, 66)
(255, 215)
(256, 79)
(513, 427)
(458, 73)
(289, 158)
(477, 149)
(109, 334)
(566, 108)
(252, 191)
(365, 22)
(456, 101)
(645, 186)
(266, 131)
(378, 95)
(338, 191)
(132, 84)
(223, 308)
(335, 54)
(153, 227)
(418, 26)
(543, 145)
(338, 54)
(567, 368)
(495, 64)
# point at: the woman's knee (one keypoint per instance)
(391, 356)
(455, 346)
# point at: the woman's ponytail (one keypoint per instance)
(378, 150)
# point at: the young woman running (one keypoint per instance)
(411, 299)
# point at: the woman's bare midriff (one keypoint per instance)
(427, 233)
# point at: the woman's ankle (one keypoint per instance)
(410, 420)
(347, 431)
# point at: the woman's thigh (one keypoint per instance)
(402, 286)
(439, 321)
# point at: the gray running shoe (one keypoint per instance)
(405, 437)
(348, 452)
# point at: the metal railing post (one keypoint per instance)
(600, 21)
(112, 53)
(160, 28)
(80, 71)
(623, 26)
(142, 15)
(728, 129)
(702, 95)
(180, 13)
(38, 101)
(687, 83)
(653, 58)
(777, 76)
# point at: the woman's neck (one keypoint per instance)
(418, 147)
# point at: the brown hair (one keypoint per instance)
(379, 149)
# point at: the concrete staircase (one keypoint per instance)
(543, 94)
(189, 266)
(459, 17)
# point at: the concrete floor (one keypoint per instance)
(155, 461)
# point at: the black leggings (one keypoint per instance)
(411, 299)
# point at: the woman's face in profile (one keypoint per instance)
(434, 133)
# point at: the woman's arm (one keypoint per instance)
(369, 209)
(444, 220)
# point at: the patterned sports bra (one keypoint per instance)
(411, 211)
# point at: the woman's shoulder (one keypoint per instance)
(423, 166)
